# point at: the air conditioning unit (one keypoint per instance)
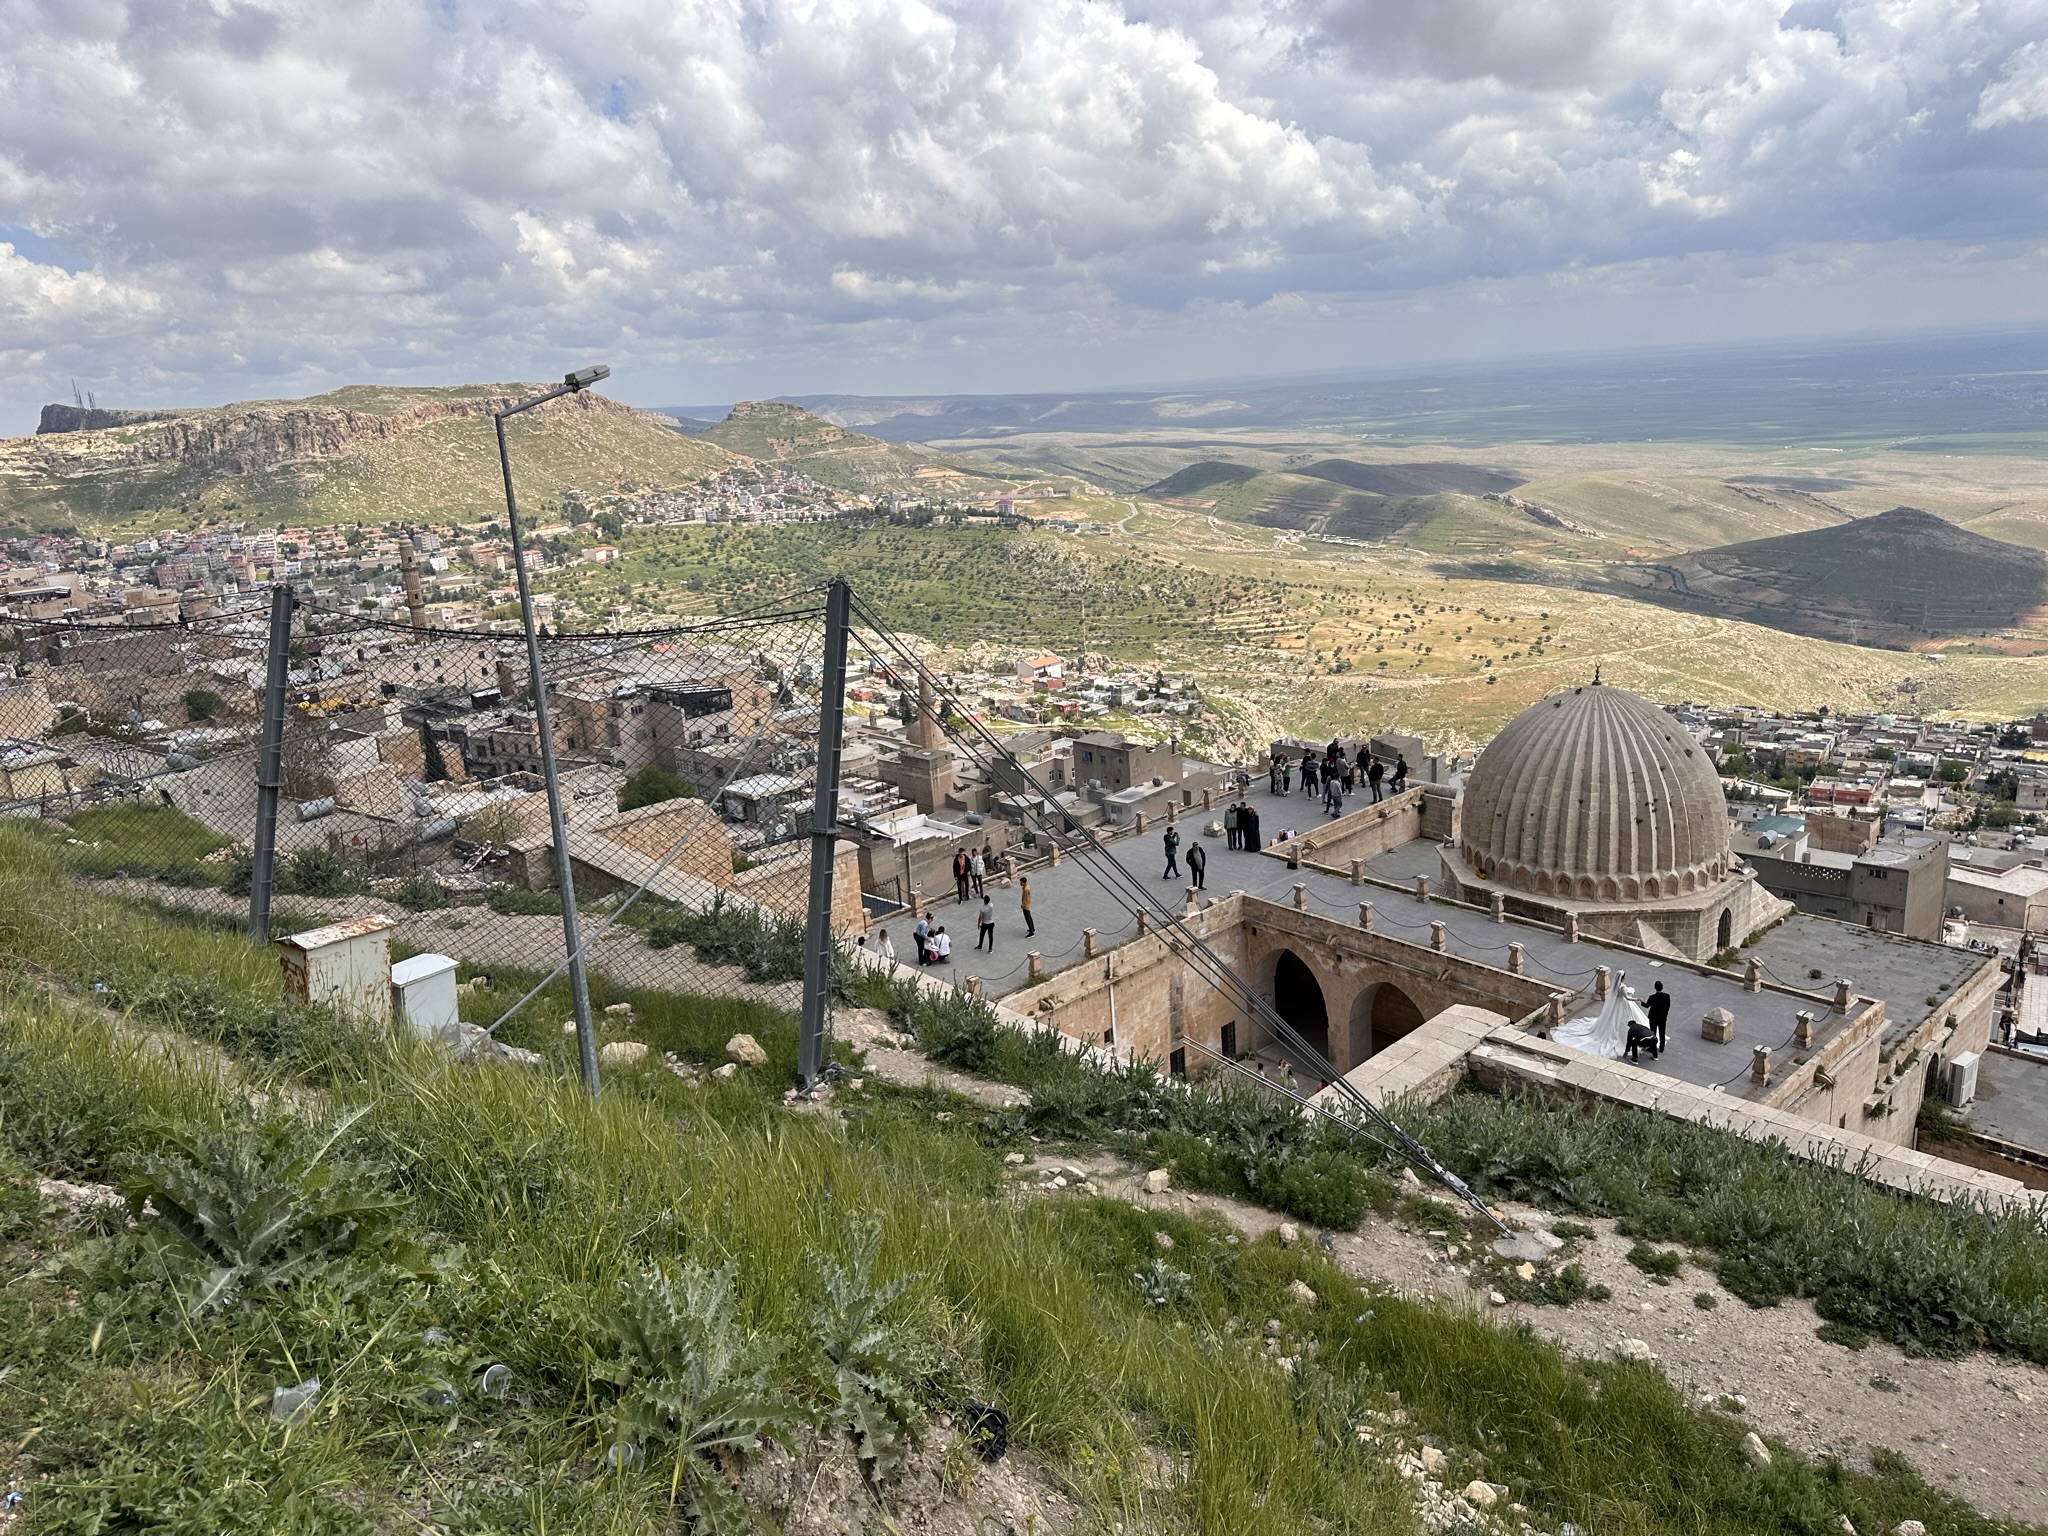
(1959, 1085)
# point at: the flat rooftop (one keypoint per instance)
(1071, 897)
(2012, 1099)
(1904, 972)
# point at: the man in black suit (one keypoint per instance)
(1658, 1006)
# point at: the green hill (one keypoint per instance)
(777, 432)
(361, 453)
(1897, 578)
(1200, 479)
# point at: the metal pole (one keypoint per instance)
(270, 762)
(572, 934)
(824, 831)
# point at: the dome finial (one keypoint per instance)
(1596, 674)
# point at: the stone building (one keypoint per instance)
(1598, 804)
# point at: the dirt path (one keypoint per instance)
(1977, 1427)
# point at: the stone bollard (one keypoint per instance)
(1760, 1064)
(1571, 927)
(1172, 815)
(1192, 903)
(1753, 977)
(974, 986)
(1718, 1026)
(1034, 967)
(1603, 978)
(1138, 823)
(867, 920)
(1358, 871)
(1088, 943)
(1437, 937)
(1514, 959)
(1208, 799)
(1500, 907)
(1422, 888)
(1294, 853)
(1843, 995)
(1802, 1030)
(916, 903)
(1365, 916)
(1556, 1009)
(1056, 856)
(1144, 921)
(1300, 897)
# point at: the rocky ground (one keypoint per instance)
(1977, 1426)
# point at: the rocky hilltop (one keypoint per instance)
(90, 418)
(775, 430)
(361, 452)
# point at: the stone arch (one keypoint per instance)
(1380, 1015)
(1608, 890)
(1298, 998)
(1724, 931)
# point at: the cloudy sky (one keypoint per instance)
(203, 200)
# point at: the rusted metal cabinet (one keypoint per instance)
(346, 966)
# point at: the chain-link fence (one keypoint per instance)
(412, 786)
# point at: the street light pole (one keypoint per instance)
(572, 930)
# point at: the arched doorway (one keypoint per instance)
(1298, 998)
(1725, 933)
(1382, 1014)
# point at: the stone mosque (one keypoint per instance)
(1447, 931)
(1598, 804)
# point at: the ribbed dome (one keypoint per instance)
(1596, 795)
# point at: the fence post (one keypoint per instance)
(824, 829)
(270, 763)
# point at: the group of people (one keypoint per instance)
(1241, 827)
(1331, 772)
(1197, 860)
(930, 942)
(1334, 775)
(972, 869)
(1657, 1006)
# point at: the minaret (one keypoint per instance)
(924, 730)
(409, 566)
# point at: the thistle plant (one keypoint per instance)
(690, 1378)
(867, 1356)
(263, 1204)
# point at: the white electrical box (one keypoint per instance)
(1961, 1083)
(346, 966)
(423, 997)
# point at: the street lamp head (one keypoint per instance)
(583, 378)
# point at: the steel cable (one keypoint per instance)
(1109, 874)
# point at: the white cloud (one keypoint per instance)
(2020, 94)
(324, 189)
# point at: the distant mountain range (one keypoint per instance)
(1918, 387)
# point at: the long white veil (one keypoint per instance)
(1604, 1033)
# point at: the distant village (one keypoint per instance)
(131, 657)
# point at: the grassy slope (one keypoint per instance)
(444, 469)
(1271, 625)
(535, 1206)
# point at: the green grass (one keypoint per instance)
(1932, 1278)
(137, 839)
(1056, 590)
(531, 1210)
